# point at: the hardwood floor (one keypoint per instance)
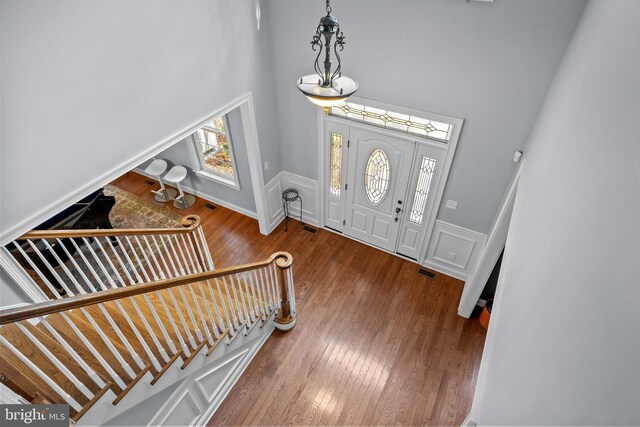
(375, 342)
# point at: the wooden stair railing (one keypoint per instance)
(74, 349)
(67, 262)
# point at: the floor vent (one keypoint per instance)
(427, 273)
(210, 206)
(149, 182)
(309, 229)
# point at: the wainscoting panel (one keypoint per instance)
(454, 250)
(184, 412)
(308, 191)
(211, 382)
(274, 201)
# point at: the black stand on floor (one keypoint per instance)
(289, 196)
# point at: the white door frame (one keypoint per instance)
(448, 158)
(247, 112)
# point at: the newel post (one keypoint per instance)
(286, 319)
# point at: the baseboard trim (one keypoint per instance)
(208, 198)
(440, 268)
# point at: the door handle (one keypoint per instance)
(398, 210)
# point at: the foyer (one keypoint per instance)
(375, 342)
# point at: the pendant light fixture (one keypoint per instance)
(327, 88)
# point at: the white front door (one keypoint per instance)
(379, 167)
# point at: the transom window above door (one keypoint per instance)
(405, 123)
(211, 151)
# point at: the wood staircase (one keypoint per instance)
(137, 304)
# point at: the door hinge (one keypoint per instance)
(345, 187)
(344, 222)
(348, 143)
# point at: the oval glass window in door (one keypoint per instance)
(376, 176)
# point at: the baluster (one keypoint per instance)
(55, 361)
(197, 269)
(252, 312)
(95, 352)
(196, 250)
(70, 400)
(215, 306)
(35, 268)
(96, 258)
(239, 302)
(141, 316)
(107, 316)
(125, 314)
(190, 286)
(196, 265)
(48, 266)
(178, 311)
(153, 257)
(74, 355)
(165, 334)
(246, 302)
(265, 290)
(102, 335)
(91, 270)
(203, 240)
(264, 276)
(230, 325)
(255, 284)
(292, 290)
(200, 243)
(234, 311)
(274, 284)
(183, 345)
(192, 341)
(85, 341)
(256, 296)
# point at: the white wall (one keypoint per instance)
(489, 63)
(563, 346)
(87, 86)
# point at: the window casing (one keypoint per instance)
(211, 150)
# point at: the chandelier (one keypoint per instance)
(327, 88)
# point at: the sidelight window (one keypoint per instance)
(427, 167)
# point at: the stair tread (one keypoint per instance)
(59, 351)
(64, 329)
(118, 318)
(79, 317)
(24, 345)
(132, 313)
(18, 372)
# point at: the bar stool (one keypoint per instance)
(157, 168)
(175, 176)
